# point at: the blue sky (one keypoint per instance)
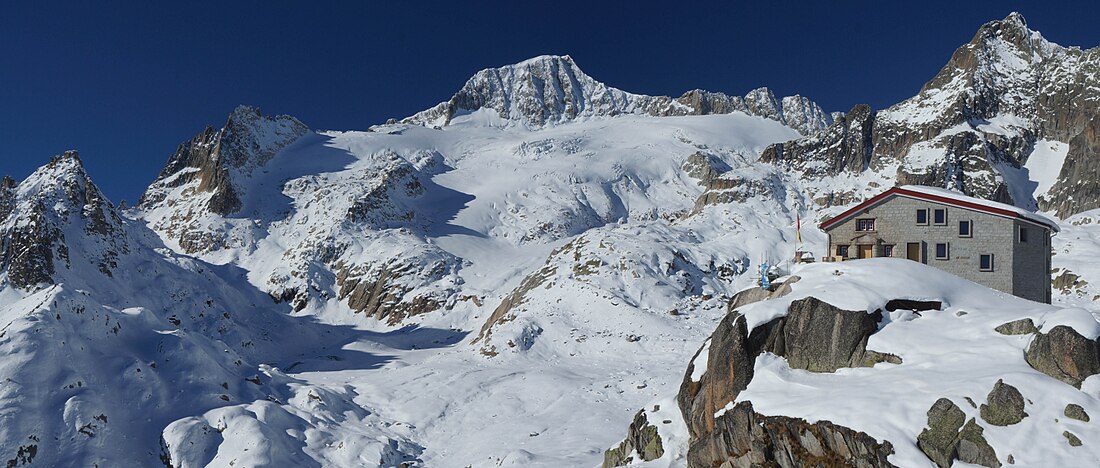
(126, 82)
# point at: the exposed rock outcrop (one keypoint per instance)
(641, 439)
(1064, 354)
(814, 335)
(973, 125)
(750, 439)
(55, 199)
(214, 159)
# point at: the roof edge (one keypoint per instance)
(935, 198)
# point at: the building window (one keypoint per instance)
(1023, 234)
(941, 251)
(922, 216)
(939, 216)
(865, 224)
(888, 250)
(842, 251)
(964, 229)
(985, 262)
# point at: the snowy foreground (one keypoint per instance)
(953, 353)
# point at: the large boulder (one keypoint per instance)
(819, 337)
(750, 439)
(939, 440)
(1004, 405)
(1022, 326)
(1064, 354)
(947, 438)
(814, 335)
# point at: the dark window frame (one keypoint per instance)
(922, 211)
(1022, 236)
(982, 260)
(935, 213)
(969, 228)
(946, 251)
(888, 250)
(859, 224)
(842, 250)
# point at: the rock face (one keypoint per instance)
(1064, 354)
(56, 199)
(642, 438)
(973, 126)
(750, 439)
(947, 438)
(1004, 406)
(549, 89)
(357, 236)
(214, 159)
(814, 335)
(821, 338)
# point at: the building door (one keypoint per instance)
(865, 250)
(912, 251)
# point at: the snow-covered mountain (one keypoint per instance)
(507, 278)
(551, 89)
(1011, 117)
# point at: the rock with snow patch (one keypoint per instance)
(1064, 354)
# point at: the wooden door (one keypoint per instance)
(912, 251)
(865, 251)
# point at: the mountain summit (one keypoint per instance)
(552, 89)
(1011, 117)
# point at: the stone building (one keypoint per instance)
(993, 244)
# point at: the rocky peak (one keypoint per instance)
(215, 161)
(973, 126)
(58, 200)
(552, 89)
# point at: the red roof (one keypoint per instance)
(947, 198)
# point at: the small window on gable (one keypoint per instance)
(985, 262)
(842, 251)
(865, 225)
(922, 216)
(939, 216)
(1023, 234)
(964, 229)
(942, 251)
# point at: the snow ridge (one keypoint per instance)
(550, 89)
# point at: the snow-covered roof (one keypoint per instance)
(947, 197)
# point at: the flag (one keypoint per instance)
(798, 228)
